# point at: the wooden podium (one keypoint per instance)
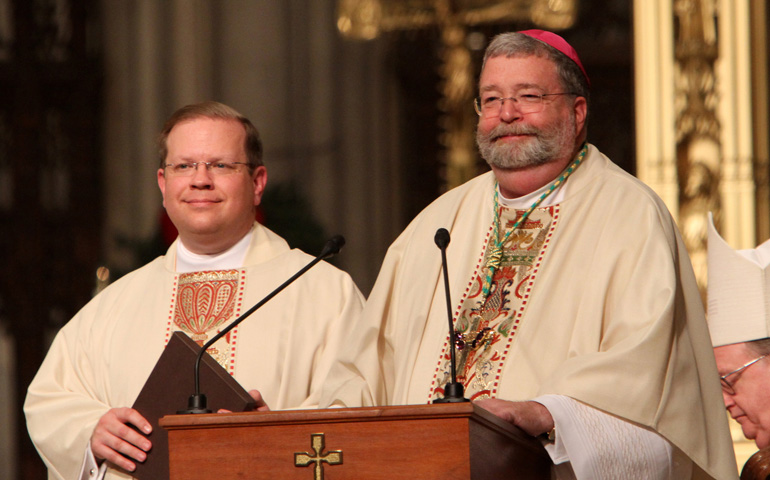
(446, 441)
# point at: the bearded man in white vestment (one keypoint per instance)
(212, 179)
(576, 313)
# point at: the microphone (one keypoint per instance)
(197, 402)
(453, 391)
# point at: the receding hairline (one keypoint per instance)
(215, 111)
(213, 118)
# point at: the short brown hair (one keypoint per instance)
(216, 110)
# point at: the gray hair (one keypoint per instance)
(514, 44)
(760, 347)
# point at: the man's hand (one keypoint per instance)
(114, 440)
(260, 406)
(532, 417)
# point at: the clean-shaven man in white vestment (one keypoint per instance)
(212, 179)
(576, 313)
(739, 322)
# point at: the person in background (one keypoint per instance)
(739, 322)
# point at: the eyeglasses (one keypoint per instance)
(490, 107)
(187, 169)
(728, 387)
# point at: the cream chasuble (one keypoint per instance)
(102, 357)
(597, 302)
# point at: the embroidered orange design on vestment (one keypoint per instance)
(205, 301)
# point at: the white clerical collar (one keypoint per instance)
(527, 200)
(230, 259)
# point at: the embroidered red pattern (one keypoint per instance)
(202, 302)
(489, 327)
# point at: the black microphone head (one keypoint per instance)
(333, 246)
(442, 238)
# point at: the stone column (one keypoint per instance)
(738, 222)
(654, 83)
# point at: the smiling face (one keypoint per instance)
(750, 405)
(513, 139)
(211, 212)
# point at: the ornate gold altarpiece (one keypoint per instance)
(366, 19)
(701, 113)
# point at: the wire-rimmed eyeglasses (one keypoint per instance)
(490, 106)
(186, 169)
(729, 387)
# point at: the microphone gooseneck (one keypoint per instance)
(197, 402)
(453, 391)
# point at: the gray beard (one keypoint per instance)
(543, 147)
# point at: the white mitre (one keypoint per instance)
(738, 291)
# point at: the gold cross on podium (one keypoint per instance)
(318, 443)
